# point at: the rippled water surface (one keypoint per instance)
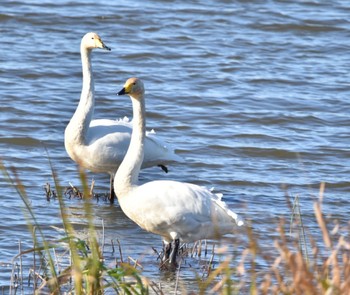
(253, 94)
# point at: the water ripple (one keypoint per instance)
(253, 94)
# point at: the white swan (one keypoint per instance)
(171, 209)
(100, 145)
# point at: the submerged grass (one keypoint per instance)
(296, 263)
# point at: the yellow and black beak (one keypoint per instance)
(104, 46)
(122, 92)
(99, 43)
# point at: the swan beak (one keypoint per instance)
(122, 92)
(106, 47)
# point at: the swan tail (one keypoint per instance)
(158, 149)
(218, 200)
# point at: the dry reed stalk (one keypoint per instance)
(177, 276)
(322, 224)
(292, 272)
(120, 251)
(157, 288)
(194, 249)
(102, 247)
(211, 261)
(135, 263)
(92, 187)
(21, 262)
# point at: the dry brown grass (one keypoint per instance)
(291, 269)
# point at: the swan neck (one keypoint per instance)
(82, 117)
(88, 80)
(127, 175)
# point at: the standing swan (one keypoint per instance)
(174, 210)
(100, 145)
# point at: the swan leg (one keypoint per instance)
(164, 168)
(174, 252)
(166, 251)
(112, 195)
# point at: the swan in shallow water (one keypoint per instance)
(174, 210)
(100, 145)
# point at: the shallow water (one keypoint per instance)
(253, 94)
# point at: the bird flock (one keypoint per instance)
(176, 211)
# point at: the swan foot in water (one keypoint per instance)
(166, 251)
(170, 252)
(112, 194)
(174, 252)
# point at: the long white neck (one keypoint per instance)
(81, 119)
(127, 175)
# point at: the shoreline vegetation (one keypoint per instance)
(296, 263)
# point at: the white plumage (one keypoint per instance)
(100, 145)
(174, 210)
(178, 210)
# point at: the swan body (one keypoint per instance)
(100, 145)
(178, 210)
(108, 141)
(174, 210)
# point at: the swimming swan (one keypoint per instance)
(174, 210)
(100, 145)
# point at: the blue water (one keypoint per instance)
(253, 94)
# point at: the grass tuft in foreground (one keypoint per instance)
(295, 262)
(86, 272)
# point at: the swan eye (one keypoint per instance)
(134, 83)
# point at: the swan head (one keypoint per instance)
(133, 87)
(92, 40)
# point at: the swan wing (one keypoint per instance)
(108, 122)
(179, 210)
(108, 140)
(156, 149)
(106, 144)
(101, 128)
